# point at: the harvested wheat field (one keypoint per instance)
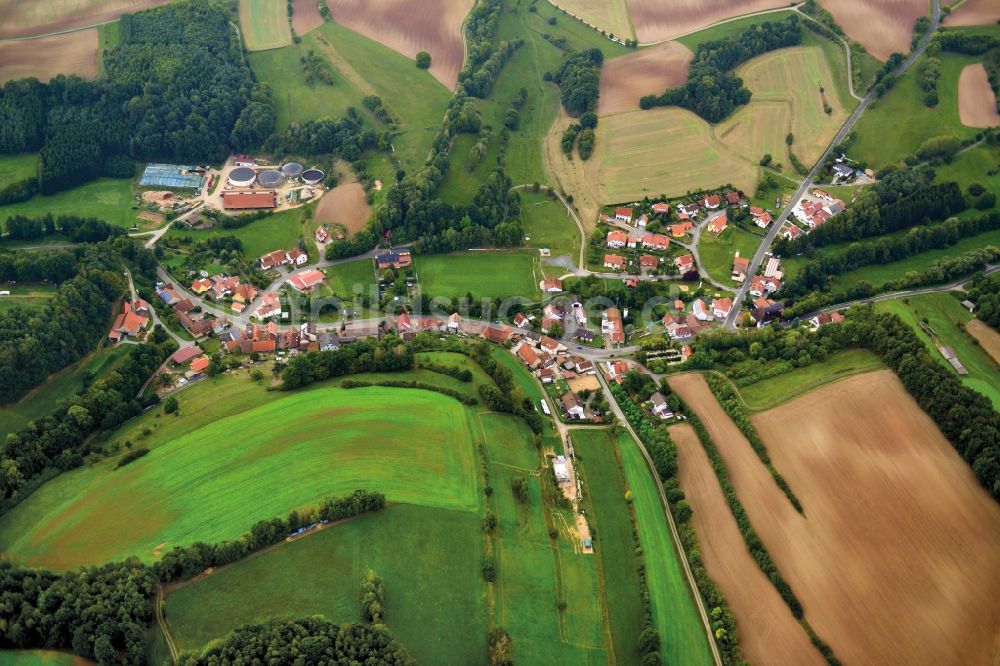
(897, 558)
(44, 57)
(656, 20)
(19, 18)
(627, 78)
(882, 26)
(581, 178)
(769, 634)
(345, 204)
(305, 16)
(411, 26)
(977, 105)
(974, 12)
(608, 15)
(986, 336)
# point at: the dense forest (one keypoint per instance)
(712, 90)
(579, 79)
(176, 89)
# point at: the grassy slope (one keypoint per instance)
(973, 166)
(411, 548)
(484, 274)
(17, 167)
(214, 482)
(344, 279)
(27, 295)
(944, 313)
(674, 612)
(106, 198)
(278, 231)
(768, 393)
(717, 253)
(547, 223)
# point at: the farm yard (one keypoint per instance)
(658, 20)
(612, 16)
(24, 19)
(973, 12)
(45, 57)
(881, 26)
(483, 274)
(884, 511)
(265, 24)
(768, 631)
(977, 105)
(627, 78)
(411, 26)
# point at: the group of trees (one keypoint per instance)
(929, 73)
(712, 91)
(579, 79)
(505, 396)
(100, 613)
(985, 293)
(346, 137)
(76, 229)
(386, 355)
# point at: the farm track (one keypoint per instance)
(162, 622)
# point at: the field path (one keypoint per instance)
(162, 622)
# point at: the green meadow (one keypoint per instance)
(717, 254)
(109, 199)
(547, 223)
(483, 274)
(278, 231)
(14, 168)
(40, 658)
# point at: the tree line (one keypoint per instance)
(505, 396)
(75, 228)
(712, 90)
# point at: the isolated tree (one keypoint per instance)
(424, 60)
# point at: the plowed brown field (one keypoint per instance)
(987, 337)
(305, 16)
(656, 20)
(882, 26)
(345, 204)
(411, 26)
(897, 558)
(21, 18)
(44, 57)
(627, 78)
(977, 105)
(974, 12)
(768, 632)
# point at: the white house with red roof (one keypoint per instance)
(721, 307)
(623, 214)
(614, 262)
(661, 208)
(711, 202)
(655, 242)
(306, 280)
(684, 262)
(617, 239)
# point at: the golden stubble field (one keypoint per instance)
(882, 26)
(897, 557)
(411, 26)
(608, 15)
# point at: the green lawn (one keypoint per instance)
(675, 614)
(717, 253)
(39, 657)
(895, 126)
(109, 199)
(944, 313)
(611, 524)
(17, 167)
(279, 231)
(212, 483)
(879, 274)
(435, 594)
(28, 296)
(350, 278)
(530, 387)
(729, 28)
(547, 223)
(483, 274)
(768, 393)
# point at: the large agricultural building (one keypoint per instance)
(171, 175)
(249, 200)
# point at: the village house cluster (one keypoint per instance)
(226, 288)
(570, 380)
(812, 211)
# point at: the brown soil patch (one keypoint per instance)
(44, 57)
(986, 336)
(19, 18)
(650, 71)
(897, 558)
(655, 20)
(768, 632)
(149, 216)
(974, 12)
(977, 105)
(584, 383)
(346, 205)
(305, 16)
(882, 26)
(411, 26)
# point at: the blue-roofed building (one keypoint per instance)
(171, 175)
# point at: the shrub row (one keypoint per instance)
(399, 383)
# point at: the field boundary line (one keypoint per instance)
(786, 8)
(162, 622)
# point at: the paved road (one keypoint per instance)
(762, 249)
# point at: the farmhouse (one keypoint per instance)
(678, 330)
(624, 215)
(528, 355)
(497, 334)
(721, 307)
(617, 239)
(552, 285)
(306, 280)
(655, 242)
(270, 306)
(612, 327)
(614, 262)
(740, 267)
(574, 409)
(685, 262)
(295, 257)
(249, 200)
(551, 346)
(661, 208)
(167, 293)
(130, 321)
(185, 354)
(826, 318)
(198, 366)
(717, 225)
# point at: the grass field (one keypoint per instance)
(768, 393)
(109, 199)
(717, 254)
(40, 657)
(280, 231)
(412, 548)
(675, 614)
(28, 296)
(546, 222)
(944, 313)
(265, 24)
(483, 274)
(17, 167)
(343, 279)
(211, 485)
(973, 166)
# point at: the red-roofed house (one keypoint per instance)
(297, 257)
(617, 239)
(717, 225)
(201, 286)
(721, 307)
(185, 354)
(497, 334)
(269, 307)
(200, 364)
(552, 285)
(648, 261)
(685, 263)
(732, 198)
(614, 262)
(623, 214)
(711, 202)
(306, 280)
(249, 200)
(655, 242)
(740, 267)
(128, 322)
(792, 232)
(680, 230)
(757, 287)
(527, 354)
(264, 346)
(661, 208)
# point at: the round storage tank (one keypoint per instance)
(270, 178)
(242, 177)
(292, 170)
(312, 176)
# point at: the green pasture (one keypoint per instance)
(254, 463)
(426, 557)
(610, 521)
(39, 658)
(274, 232)
(717, 254)
(31, 297)
(483, 274)
(973, 166)
(946, 316)
(773, 391)
(264, 24)
(547, 223)
(531, 388)
(897, 124)
(14, 168)
(729, 28)
(345, 280)
(109, 199)
(675, 614)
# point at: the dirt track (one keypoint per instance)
(977, 105)
(897, 559)
(987, 337)
(650, 71)
(882, 26)
(44, 57)
(768, 632)
(974, 12)
(655, 20)
(23, 18)
(411, 26)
